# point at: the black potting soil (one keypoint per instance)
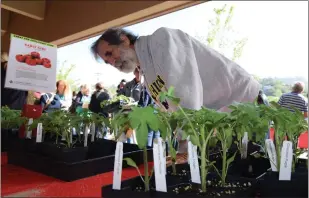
(135, 188)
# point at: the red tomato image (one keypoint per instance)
(46, 65)
(45, 60)
(39, 61)
(20, 58)
(27, 56)
(35, 55)
(31, 62)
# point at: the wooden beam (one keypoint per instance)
(5, 15)
(32, 9)
(155, 11)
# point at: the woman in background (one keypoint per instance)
(62, 99)
(97, 97)
(82, 99)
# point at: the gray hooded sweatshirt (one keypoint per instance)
(201, 76)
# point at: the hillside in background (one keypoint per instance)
(275, 87)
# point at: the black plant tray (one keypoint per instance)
(70, 171)
(25, 145)
(134, 188)
(63, 154)
(270, 186)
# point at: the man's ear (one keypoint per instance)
(125, 40)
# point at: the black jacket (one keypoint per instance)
(96, 99)
(132, 89)
(13, 98)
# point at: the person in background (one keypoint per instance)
(97, 97)
(74, 95)
(262, 98)
(82, 99)
(14, 99)
(133, 88)
(295, 99)
(62, 99)
(121, 85)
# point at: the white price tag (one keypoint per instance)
(39, 132)
(92, 132)
(271, 151)
(286, 161)
(86, 135)
(159, 165)
(194, 165)
(244, 144)
(29, 132)
(118, 166)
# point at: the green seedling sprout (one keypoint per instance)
(139, 119)
(11, 118)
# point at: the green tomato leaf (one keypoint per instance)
(130, 162)
(142, 135)
(195, 140)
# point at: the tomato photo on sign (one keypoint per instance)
(46, 65)
(35, 55)
(31, 62)
(20, 58)
(45, 60)
(39, 61)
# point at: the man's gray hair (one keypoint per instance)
(298, 87)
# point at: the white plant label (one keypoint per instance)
(63, 135)
(244, 145)
(29, 132)
(118, 166)
(71, 136)
(164, 153)
(86, 135)
(159, 165)
(92, 131)
(194, 165)
(271, 151)
(39, 132)
(286, 161)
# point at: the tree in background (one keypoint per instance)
(63, 73)
(221, 35)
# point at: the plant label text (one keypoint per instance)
(92, 132)
(159, 165)
(271, 151)
(194, 165)
(86, 135)
(118, 166)
(286, 161)
(39, 133)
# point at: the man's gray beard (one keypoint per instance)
(127, 67)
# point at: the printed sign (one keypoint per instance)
(194, 165)
(118, 166)
(32, 65)
(286, 161)
(271, 151)
(159, 165)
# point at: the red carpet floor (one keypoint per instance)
(18, 180)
